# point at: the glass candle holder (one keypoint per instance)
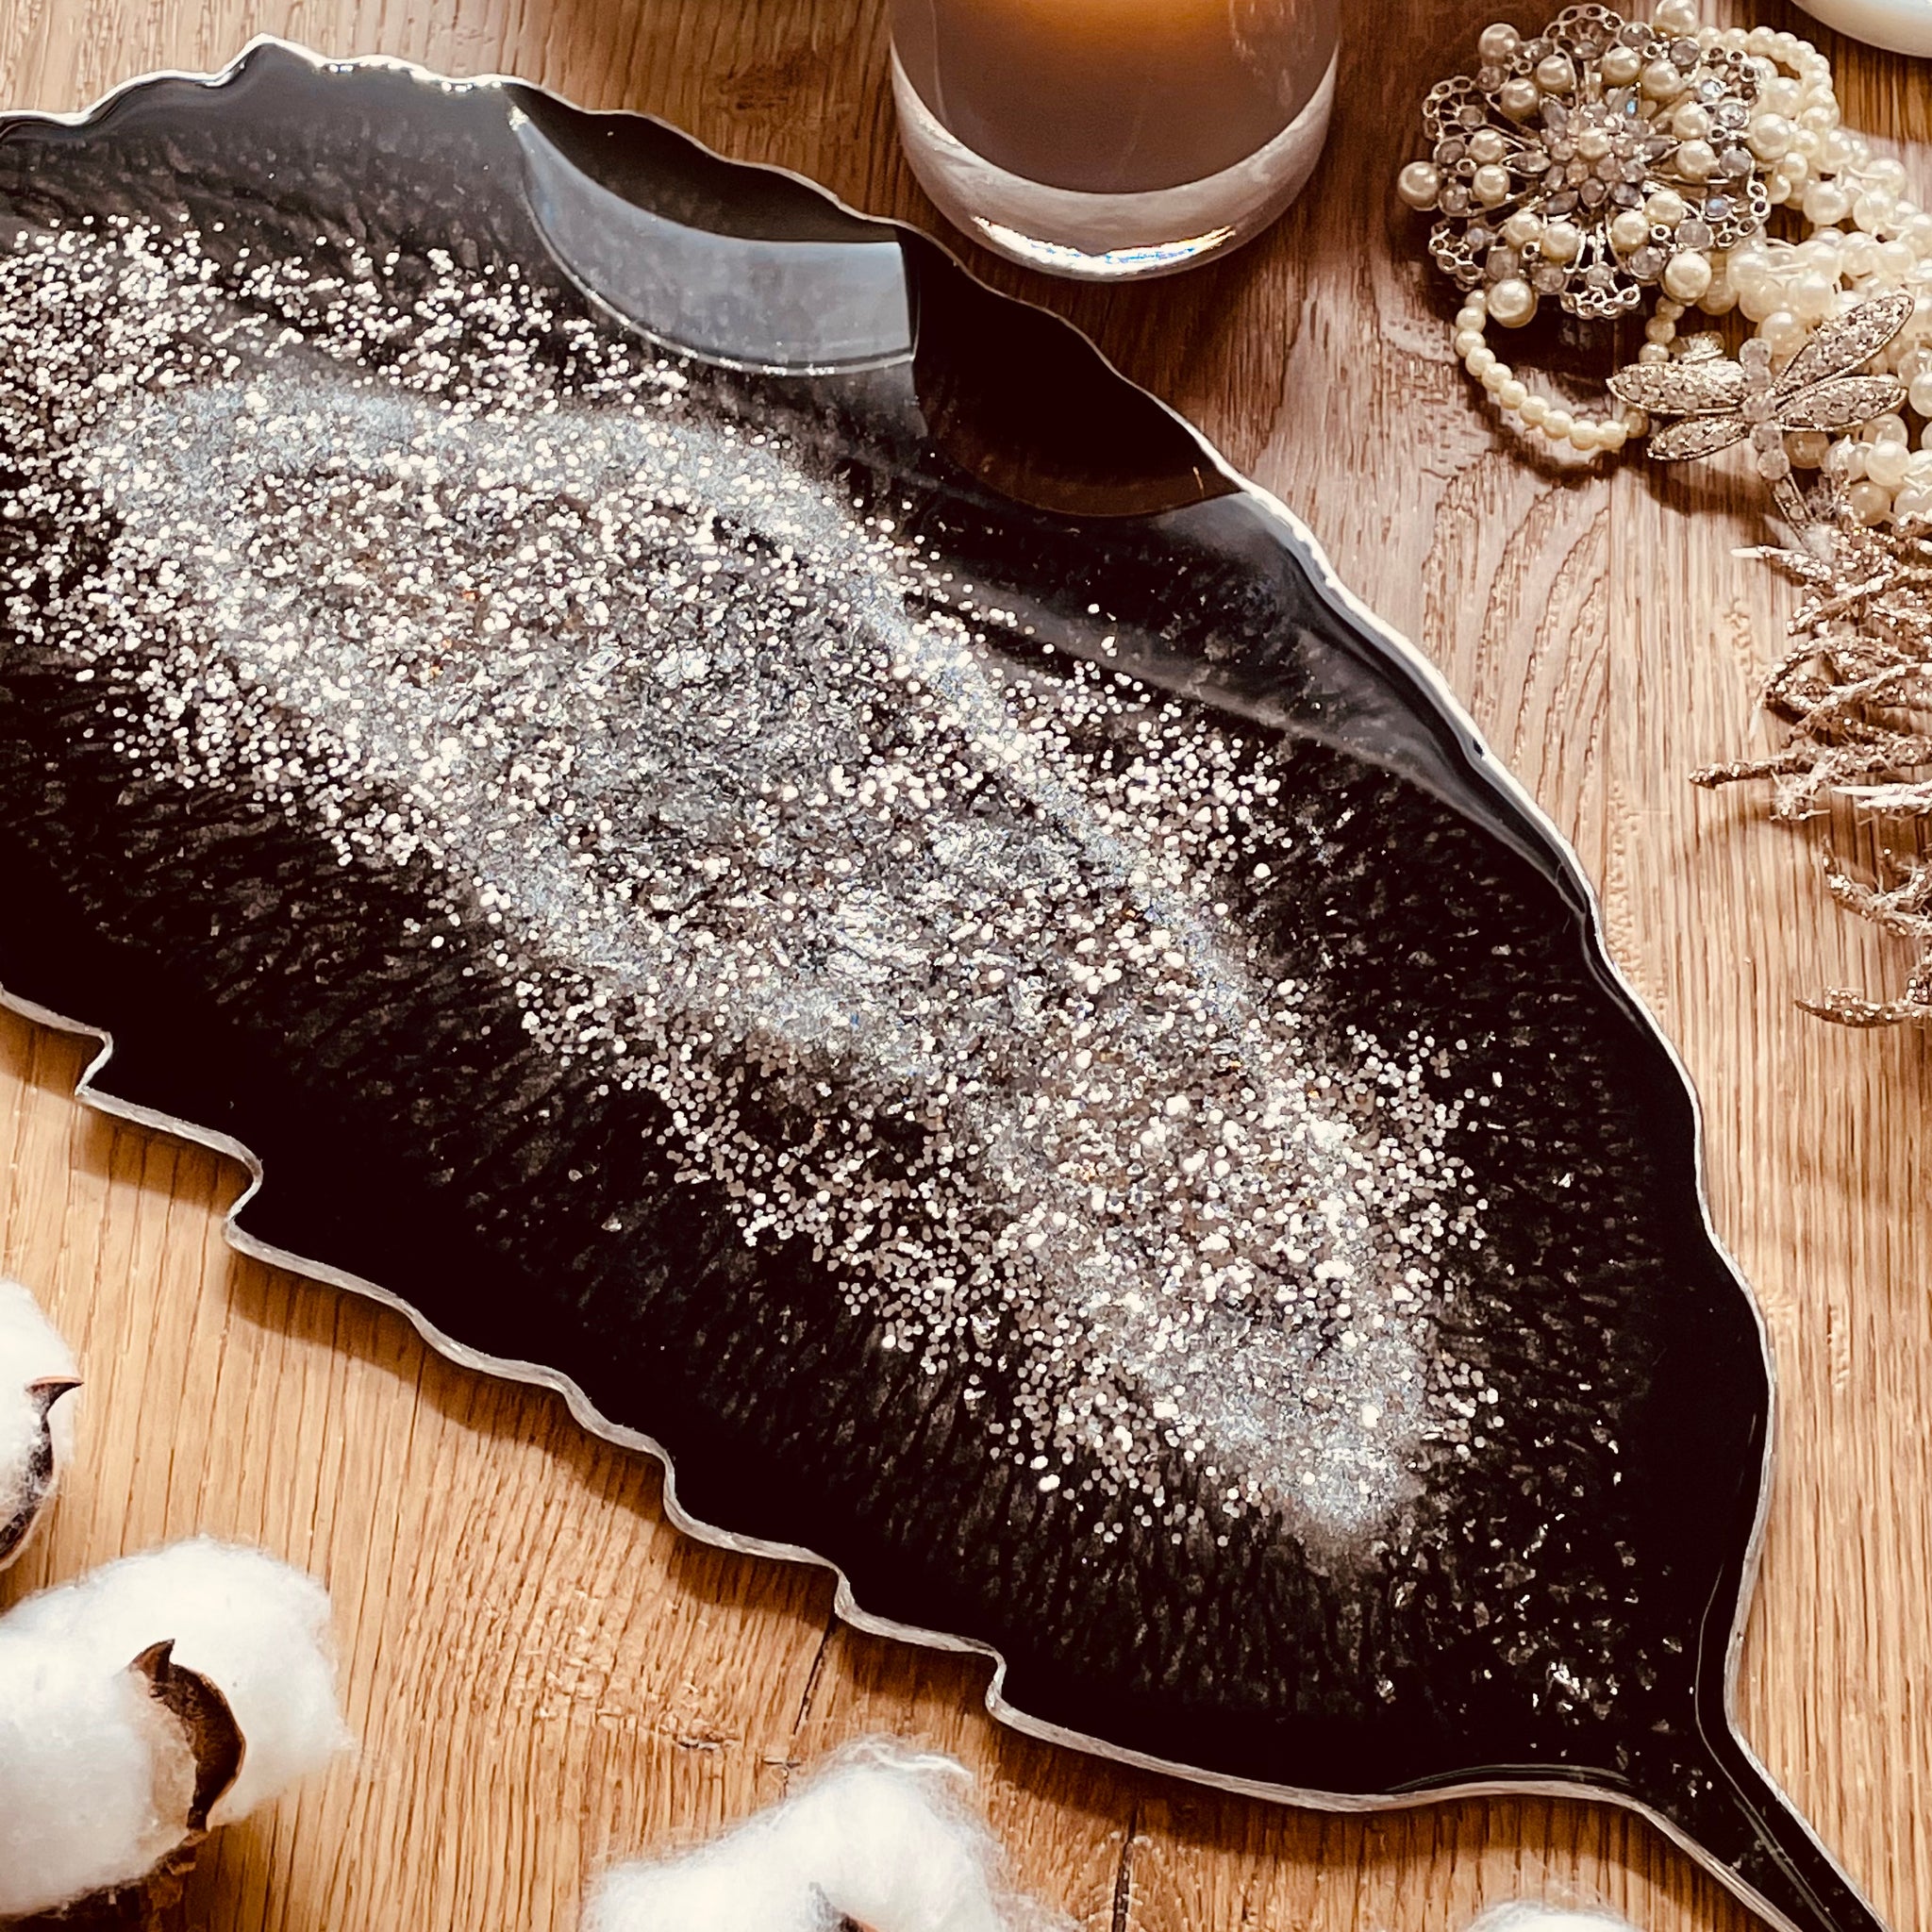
(1108, 139)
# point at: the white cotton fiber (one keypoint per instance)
(889, 1843)
(882, 1835)
(31, 1353)
(1533, 1915)
(254, 1627)
(93, 1787)
(736, 1885)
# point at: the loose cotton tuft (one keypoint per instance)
(98, 1777)
(1532, 1915)
(880, 1835)
(36, 1375)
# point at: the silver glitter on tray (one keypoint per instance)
(712, 829)
(860, 905)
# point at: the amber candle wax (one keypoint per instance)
(1115, 96)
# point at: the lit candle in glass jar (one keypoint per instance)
(1113, 138)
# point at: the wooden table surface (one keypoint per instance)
(542, 1674)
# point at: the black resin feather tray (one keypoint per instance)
(742, 828)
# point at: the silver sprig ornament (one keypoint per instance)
(1854, 689)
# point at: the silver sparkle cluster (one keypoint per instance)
(925, 949)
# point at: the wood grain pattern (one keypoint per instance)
(542, 1673)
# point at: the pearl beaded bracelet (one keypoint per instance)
(1608, 163)
(1515, 396)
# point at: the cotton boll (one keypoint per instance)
(161, 1693)
(881, 1837)
(734, 1886)
(888, 1841)
(257, 1629)
(37, 1371)
(1533, 1915)
(94, 1777)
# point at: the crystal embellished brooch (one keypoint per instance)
(1588, 163)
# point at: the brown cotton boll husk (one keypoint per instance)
(154, 1904)
(38, 1377)
(212, 1746)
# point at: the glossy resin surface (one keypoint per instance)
(740, 825)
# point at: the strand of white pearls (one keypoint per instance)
(1512, 394)
(1866, 238)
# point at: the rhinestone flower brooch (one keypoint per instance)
(1601, 158)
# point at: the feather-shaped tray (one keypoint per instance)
(741, 827)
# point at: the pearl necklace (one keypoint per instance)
(1863, 237)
